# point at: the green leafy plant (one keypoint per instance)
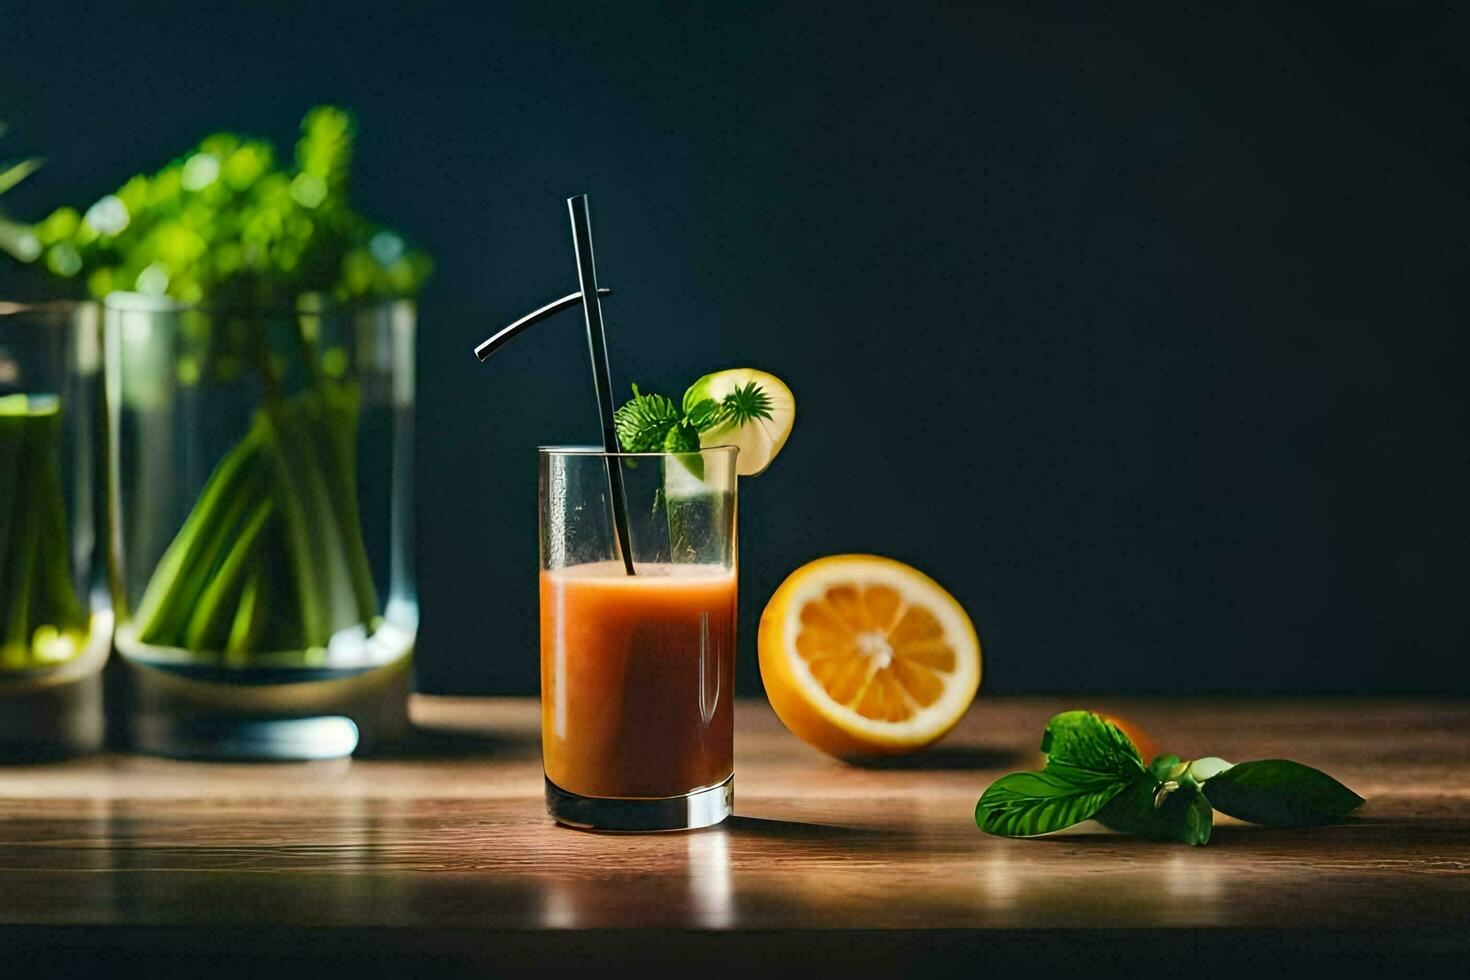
(271, 556)
(1094, 772)
(227, 225)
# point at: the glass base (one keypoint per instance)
(51, 721)
(190, 717)
(702, 808)
(247, 739)
(56, 712)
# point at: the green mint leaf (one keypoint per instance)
(1085, 742)
(683, 439)
(1028, 804)
(1162, 766)
(705, 414)
(1199, 820)
(1280, 793)
(643, 422)
(744, 404)
(1164, 811)
(1089, 761)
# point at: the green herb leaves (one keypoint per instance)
(1150, 809)
(1093, 771)
(229, 224)
(1028, 804)
(653, 423)
(1082, 740)
(645, 421)
(1280, 793)
(1089, 762)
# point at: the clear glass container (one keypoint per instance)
(261, 488)
(55, 618)
(638, 656)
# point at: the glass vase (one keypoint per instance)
(55, 620)
(261, 480)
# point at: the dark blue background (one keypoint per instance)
(1141, 329)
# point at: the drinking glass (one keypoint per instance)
(637, 670)
(55, 618)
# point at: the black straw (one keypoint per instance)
(601, 376)
(485, 348)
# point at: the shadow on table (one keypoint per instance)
(955, 757)
(429, 744)
(800, 830)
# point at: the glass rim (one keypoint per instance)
(599, 451)
(130, 301)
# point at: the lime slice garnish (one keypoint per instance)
(764, 411)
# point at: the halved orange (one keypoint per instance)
(865, 656)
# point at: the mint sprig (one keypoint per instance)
(644, 422)
(653, 423)
(1089, 762)
(1093, 771)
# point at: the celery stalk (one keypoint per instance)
(302, 557)
(201, 550)
(61, 605)
(178, 578)
(214, 613)
(252, 614)
(340, 403)
(17, 635)
(36, 590)
(272, 556)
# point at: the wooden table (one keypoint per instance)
(445, 853)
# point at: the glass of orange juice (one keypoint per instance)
(638, 670)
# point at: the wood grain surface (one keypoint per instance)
(451, 840)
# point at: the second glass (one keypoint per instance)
(637, 671)
(261, 500)
(55, 621)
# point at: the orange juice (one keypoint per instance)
(637, 678)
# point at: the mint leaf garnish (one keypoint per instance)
(1028, 804)
(1093, 770)
(1160, 811)
(683, 437)
(1089, 761)
(1280, 793)
(737, 408)
(644, 422)
(647, 423)
(705, 414)
(1087, 741)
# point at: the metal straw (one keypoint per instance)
(485, 348)
(597, 347)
